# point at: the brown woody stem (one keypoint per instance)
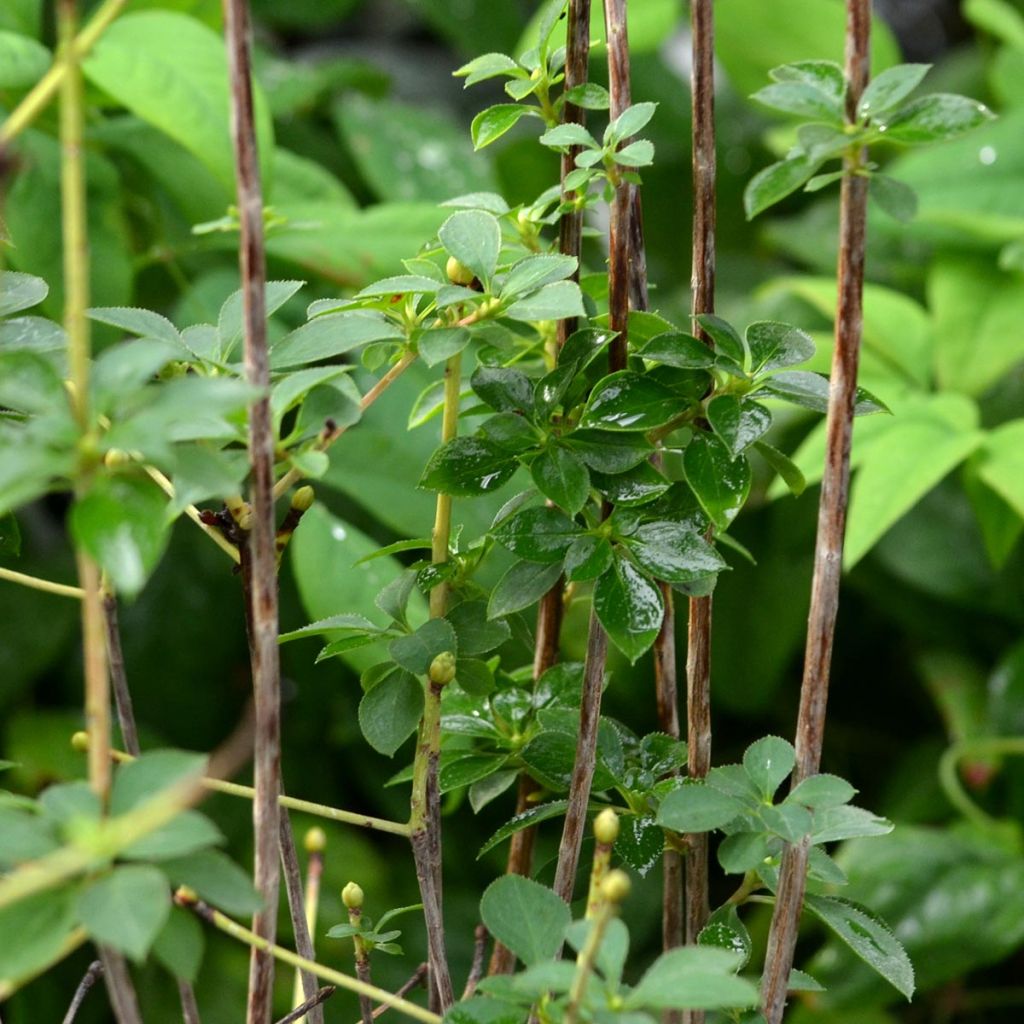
(828, 552)
(259, 557)
(298, 909)
(90, 978)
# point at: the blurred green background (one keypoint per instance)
(365, 131)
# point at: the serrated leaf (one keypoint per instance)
(391, 711)
(937, 117)
(536, 271)
(824, 790)
(473, 237)
(552, 302)
(534, 816)
(801, 98)
(889, 88)
(725, 930)
(539, 534)
(696, 807)
(768, 762)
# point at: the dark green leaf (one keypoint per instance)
(726, 931)
(811, 391)
(391, 711)
(464, 771)
(776, 182)
(510, 431)
(539, 534)
(775, 345)
(819, 791)
(696, 807)
(680, 350)
(889, 89)
(503, 389)
(535, 815)
(474, 676)
(525, 916)
(737, 424)
(521, 586)
(475, 632)
(468, 466)
(587, 558)
(720, 482)
(217, 879)
(180, 944)
(629, 402)
(640, 844)
(561, 476)
(637, 486)
(671, 552)
(608, 452)
(126, 909)
(746, 851)
(894, 197)
(724, 338)
(415, 652)
(629, 607)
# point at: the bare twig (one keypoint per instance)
(311, 1005)
(259, 556)
(120, 988)
(418, 977)
(189, 1007)
(618, 309)
(476, 970)
(698, 652)
(828, 554)
(118, 676)
(87, 982)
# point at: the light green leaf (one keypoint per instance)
(525, 916)
(23, 61)
(331, 335)
(890, 88)
(126, 909)
(473, 237)
(1001, 463)
(490, 124)
(768, 762)
(693, 977)
(696, 807)
(553, 302)
(935, 118)
(775, 182)
(42, 923)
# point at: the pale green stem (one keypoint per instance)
(949, 774)
(60, 589)
(585, 961)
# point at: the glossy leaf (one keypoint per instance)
(774, 346)
(801, 98)
(537, 534)
(737, 424)
(719, 481)
(608, 452)
(468, 466)
(561, 476)
(725, 930)
(890, 88)
(490, 124)
(525, 916)
(587, 558)
(522, 585)
(503, 389)
(391, 711)
(630, 402)
(936, 117)
(671, 552)
(629, 607)
(637, 486)
(680, 350)
(534, 816)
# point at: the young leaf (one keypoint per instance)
(696, 807)
(629, 607)
(473, 237)
(538, 534)
(636, 154)
(897, 199)
(525, 916)
(868, 937)
(629, 122)
(561, 476)
(768, 762)
(126, 909)
(889, 88)
(552, 302)
(331, 335)
(935, 118)
(536, 271)
(490, 124)
(468, 466)
(565, 135)
(775, 182)
(832, 824)
(522, 585)
(488, 65)
(390, 712)
(784, 466)
(802, 99)
(719, 481)
(824, 75)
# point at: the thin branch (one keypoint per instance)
(118, 676)
(311, 1005)
(224, 923)
(87, 982)
(698, 651)
(419, 977)
(258, 559)
(476, 970)
(120, 988)
(618, 309)
(46, 88)
(48, 586)
(828, 554)
(189, 1007)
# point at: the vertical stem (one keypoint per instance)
(91, 975)
(698, 651)
(362, 962)
(120, 990)
(118, 676)
(260, 540)
(425, 805)
(76, 301)
(828, 552)
(618, 309)
(302, 910)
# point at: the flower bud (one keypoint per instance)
(442, 668)
(80, 741)
(116, 457)
(458, 272)
(616, 886)
(606, 827)
(352, 896)
(315, 840)
(303, 498)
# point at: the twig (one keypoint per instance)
(46, 88)
(419, 977)
(258, 558)
(299, 908)
(224, 923)
(618, 309)
(195, 515)
(828, 554)
(87, 982)
(698, 651)
(476, 969)
(60, 589)
(310, 1005)
(118, 676)
(120, 988)
(189, 1007)
(352, 897)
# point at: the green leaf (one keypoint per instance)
(629, 607)
(737, 424)
(151, 772)
(803, 99)
(468, 466)
(536, 271)
(538, 534)
(23, 61)
(610, 957)
(632, 120)
(67, 801)
(171, 70)
(126, 909)
(868, 937)
(916, 455)
(811, 391)
(746, 851)
(768, 762)
(563, 136)
(720, 482)
(121, 523)
(525, 916)
(683, 351)
(561, 476)
(636, 154)
(637, 486)
(25, 837)
(832, 824)
(894, 197)
(473, 237)
(441, 343)
(692, 977)
(696, 807)
(775, 345)
(488, 65)
(10, 536)
(790, 822)
(725, 930)
(522, 585)
(534, 816)
(474, 676)
(490, 124)
(824, 76)
(934, 118)
(332, 335)
(180, 945)
(216, 878)
(510, 431)
(552, 302)
(186, 833)
(476, 633)
(464, 771)
(391, 711)
(143, 323)
(503, 389)
(416, 651)
(42, 923)
(672, 552)
(788, 471)
(608, 452)
(20, 291)
(588, 96)
(1001, 463)
(819, 791)
(775, 182)
(403, 284)
(630, 402)
(889, 89)
(640, 844)
(29, 383)
(724, 338)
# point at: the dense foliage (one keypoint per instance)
(407, 247)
